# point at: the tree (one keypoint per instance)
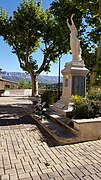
(22, 84)
(25, 31)
(88, 22)
(92, 14)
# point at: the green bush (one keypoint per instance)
(24, 85)
(49, 97)
(95, 94)
(85, 108)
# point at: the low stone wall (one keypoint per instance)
(17, 92)
(90, 129)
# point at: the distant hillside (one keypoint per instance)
(17, 76)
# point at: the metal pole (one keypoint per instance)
(59, 80)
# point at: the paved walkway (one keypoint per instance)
(25, 155)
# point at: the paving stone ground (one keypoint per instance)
(25, 155)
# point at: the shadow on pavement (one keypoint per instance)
(14, 117)
(22, 120)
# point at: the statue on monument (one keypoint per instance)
(74, 41)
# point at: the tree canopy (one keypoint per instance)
(31, 26)
(88, 22)
(25, 31)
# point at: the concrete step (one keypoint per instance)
(65, 122)
(60, 135)
(55, 129)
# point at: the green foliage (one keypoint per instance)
(98, 79)
(29, 29)
(54, 86)
(62, 10)
(24, 85)
(3, 17)
(85, 108)
(95, 94)
(88, 22)
(22, 31)
(31, 26)
(49, 97)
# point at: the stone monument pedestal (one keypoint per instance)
(74, 83)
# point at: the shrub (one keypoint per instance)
(49, 97)
(95, 94)
(85, 108)
(24, 85)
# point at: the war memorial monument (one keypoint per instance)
(74, 73)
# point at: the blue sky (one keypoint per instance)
(8, 60)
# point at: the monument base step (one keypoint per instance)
(62, 130)
(54, 125)
(65, 122)
(63, 109)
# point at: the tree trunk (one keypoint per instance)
(34, 79)
(100, 8)
(93, 77)
(94, 70)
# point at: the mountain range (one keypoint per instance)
(18, 76)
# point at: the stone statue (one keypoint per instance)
(74, 41)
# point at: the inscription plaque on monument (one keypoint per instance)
(78, 85)
(66, 82)
(59, 105)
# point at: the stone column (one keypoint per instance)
(74, 80)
